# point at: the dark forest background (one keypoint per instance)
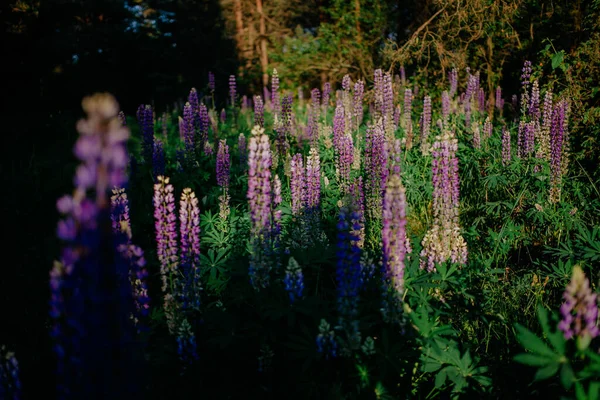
(54, 52)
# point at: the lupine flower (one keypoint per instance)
(158, 158)
(275, 100)
(388, 105)
(313, 117)
(534, 102)
(186, 343)
(294, 280)
(344, 159)
(348, 273)
(357, 194)
(223, 166)
(138, 276)
(453, 79)
(506, 155)
(146, 122)
(232, 90)
(10, 384)
(189, 288)
(376, 169)
(443, 241)
(195, 104)
(297, 183)
(119, 211)
(394, 233)
(211, 82)
(476, 135)
(259, 112)
(499, 100)
(408, 126)
(546, 127)
(525, 82)
(580, 310)
(487, 128)
(92, 345)
(338, 125)
(242, 150)
(326, 96)
(122, 118)
(359, 90)
(426, 124)
(313, 181)
(326, 343)
(402, 75)
(556, 149)
(188, 134)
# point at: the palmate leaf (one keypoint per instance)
(533, 343)
(533, 360)
(556, 338)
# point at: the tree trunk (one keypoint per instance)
(262, 30)
(239, 32)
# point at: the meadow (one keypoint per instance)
(375, 239)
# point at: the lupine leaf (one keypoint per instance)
(547, 372)
(533, 360)
(533, 343)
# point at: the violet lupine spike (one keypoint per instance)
(499, 100)
(579, 312)
(534, 102)
(338, 125)
(425, 125)
(525, 82)
(119, 212)
(211, 82)
(376, 169)
(195, 103)
(10, 383)
(312, 125)
(443, 241)
(521, 139)
(294, 280)
(530, 132)
(388, 105)
(344, 159)
(556, 150)
(506, 152)
(138, 276)
(188, 133)
(359, 91)
(357, 196)
(313, 181)
(326, 97)
(393, 234)
(146, 122)
(488, 128)
(259, 201)
(275, 99)
(348, 273)
(297, 184)
(378, 93)
(346, 83)
(188, 290)
(158, 158)
(83, 340)
(223, 167)
(397, 113)
(396, 157)
(122, 118)
(445, 106)
(453, 79)
(402, 75)
(232, 91)
(259, 112)
(408, 125)
(546, 127)
(242, 151)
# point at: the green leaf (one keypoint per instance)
(567, 377)
(547, 372)
(533, 360)
(557, 59)
(594, 393)
(533, 343)
(440, 379)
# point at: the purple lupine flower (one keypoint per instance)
(259, 112)
(348, 273)
(242, 150)
(396, 157)
(119, 211)
(223, 166)
(313, 180)
(211, 82)
(546, 128)
(90, 359)
(397, 113)
(326, 343)
(453, 79)
(499, 100)
(284, 129)
(488, 127)
(580, 310)
(534, 102)
(402, 75)
(346, 83)
(186, 343)
(393, 233)
(378, 93)
(481, 100)
(326, 97)
(146, 122)
(408, 126)
(195, 104)
(297, 183)
(425, 124)
(138, 276)
(259, 200)
(443, 241)
(294, 280)
(165, 229)
(10, 384)
(232, 90)
(275, 100)
(521, 139)
(189, 230)
(344, 158)
(556, 149)
(312, 125)
(223, 116)
(506, 154)
(158, 158)
(525, 82)
(530, 129)
(376, 169)
(122, 118)
(357, 194)
(204, 125)
(359, 91)
(188, 134)
(388, 104)
(338, 125)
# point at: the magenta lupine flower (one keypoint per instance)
(359, 91)
(393, 234)
(275, 100)
(232, 91)
(378, 93)
(326, 97)
(119, 211)
(297, 183)
(499, 100)
(259, 112)
(425, 124)
(338, 126)
(525, 82)
(313, 181)
(376, 169)
(145, 118)
(580, 310)
(506, 155)
(242, 150)
(223, 166)
(346, 83)
(556, 149)
(534, 101)
(388, 104)
(443, 241)
(188, 133)
(165, 229)
(408, 126)
(453, 79)
(521, 139)
(312, 125)
(188, 290)
(211, 82)
(344, 159)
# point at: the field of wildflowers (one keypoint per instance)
(372, 241)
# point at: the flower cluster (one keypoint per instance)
(275, 100)
(558, 148)
(443, 241)
(359, 91)
(506, 154)
(425, 124)
(10, 384)
(242, 150)
(232, 90)
(294, 280)
(145, 118)
(580, 309)
(326, 97)
(326, 343)
(407, 120)
(223, 165)
(376, 169)
(393, 235)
